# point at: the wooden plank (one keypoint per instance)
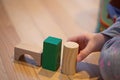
(3, 71)
(50, 75)
(8, 40)
(82, 12)
(6, 31)
(22, 22)
(31, 21)
(17, 21)
(62, 18)
(43, 20)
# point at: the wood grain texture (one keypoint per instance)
(31, 21)
(34, 51)
(69, 61)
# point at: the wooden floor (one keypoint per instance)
(31, 21)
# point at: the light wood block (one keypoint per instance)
(70, 52)
(33, 50)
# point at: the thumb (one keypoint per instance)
(82, 55)
(91, 46)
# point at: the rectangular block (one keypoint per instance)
(51, 53)
(30, 49)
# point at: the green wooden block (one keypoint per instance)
(51, 53)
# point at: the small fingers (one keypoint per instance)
(81, 56)
(74, 39)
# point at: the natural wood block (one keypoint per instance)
(51, 53)
(33, 50)
(70, 52)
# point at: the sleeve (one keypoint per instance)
(113, 30)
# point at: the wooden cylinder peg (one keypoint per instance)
(69, 61)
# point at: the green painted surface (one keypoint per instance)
(103, 13)
(51, 53)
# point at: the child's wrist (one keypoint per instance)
(105, 37)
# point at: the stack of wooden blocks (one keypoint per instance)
(50, 57)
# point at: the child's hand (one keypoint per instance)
(88, 43)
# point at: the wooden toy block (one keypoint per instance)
(33, 50)
(51, 53)
(69, 61)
